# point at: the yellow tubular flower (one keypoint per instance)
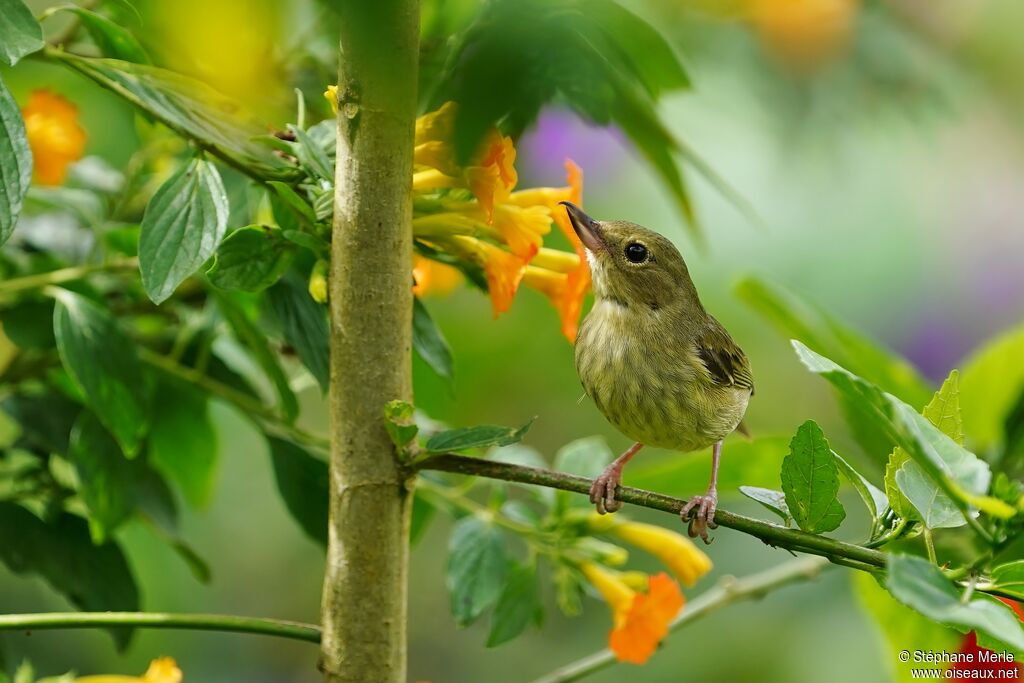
(612, 588)
(162, 670)
(433, 277)
(676, 552)
(436, 126)
(318, 281)
(331, 95)
(54, 135)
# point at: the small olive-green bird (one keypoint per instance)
(656, 364)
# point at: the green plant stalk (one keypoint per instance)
(57, 277)
(195, 622)
(364, 605)
(729, 590)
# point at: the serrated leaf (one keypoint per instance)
(956, 471)
(20, 33)
(303, 485)
(94, 578)
(430, 344)
(874, 499)
(304, 325)
(256, 342)
(251, 259)
(183, 442)
(920, 585)
(991, 383)
(112, 39)
(400, 421)
(182, 227)
(102, 362)
(15, 155)
(105, 476)
(1009, 578)
(770, 499)
(477, 567)
(480, 436)
(191, 109)
(810, 480)
(517, 605)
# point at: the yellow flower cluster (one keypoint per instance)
(474, 213)
(643, 606)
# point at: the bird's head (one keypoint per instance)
(632, 265)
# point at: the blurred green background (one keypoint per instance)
(881, 145)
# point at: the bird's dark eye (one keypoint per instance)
(636, 252)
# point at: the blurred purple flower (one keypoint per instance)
(937, 342)
(561, 135)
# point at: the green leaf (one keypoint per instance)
(251, 259)
(827, 336)
(45, 420)
(191, 109)
(477, 566)
(902, 627)
(94, 578)
(29, 323)
(183, 441)
(102, 362)
(15, 156)
(311, 155)
(20, 33)
(400, 421)
(920, 585)
(810, 480)
(480, 436)
(430, 344)
(292, 201)
(874, 499)
(112, 39)
(957, 472)
(105, 476)
(182, 227)
(1009, 578)
(304, 325)
(303, 485)
(586, 457)
(517, 605)
(256, 342)
(991, 384)
(771, 499)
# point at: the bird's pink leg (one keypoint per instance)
(602, 492)
(705, 505)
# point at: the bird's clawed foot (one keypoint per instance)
(602, 492)
(704, 517)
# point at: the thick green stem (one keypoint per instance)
(728, 591)
(194, 622)
(364, 601)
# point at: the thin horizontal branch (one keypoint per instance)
(772, 534)
(194, 622)
(729, 590)
(63, 275)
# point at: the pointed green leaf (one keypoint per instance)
(430, 344)
(304, 324)
(874, 499)
(480, 436)
(810, 480)
(292, 202)
(302, 483)
(400, 421)
(102, 362)
(920, 585)
(183, 442)
(15, 158)
(477, 567)
(1009, 578)
(182, 227)
(770, 499)
(517, 605)
(311, 155)
(991, 384)
(20, 33)
(106, 477)
(251, 259)
(112, 39)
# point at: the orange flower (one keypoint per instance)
(492, 178)
(162, 670)
(641, 620)
(504, 272)
(56, 138)
(565, 291)
(433, 277)
(803, 34)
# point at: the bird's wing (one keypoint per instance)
(725, 361)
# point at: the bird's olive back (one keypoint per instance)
(639, 266)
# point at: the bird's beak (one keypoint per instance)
(587, 228)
